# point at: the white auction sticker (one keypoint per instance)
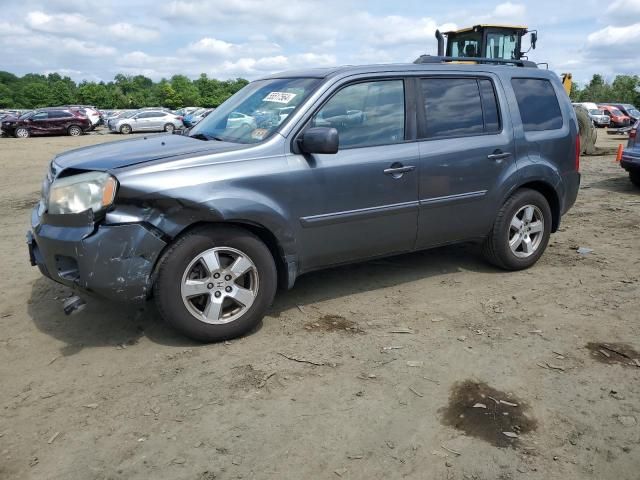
(279, 97)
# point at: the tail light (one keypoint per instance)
(180, 117)
(577, 153)
(634, 131)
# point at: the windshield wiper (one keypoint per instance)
(205, 137)
(200, 136)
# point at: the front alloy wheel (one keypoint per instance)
(21, 132)
(219, 285)
(215, 282)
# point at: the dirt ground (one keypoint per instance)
(408, 367)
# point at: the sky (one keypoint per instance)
(96, 39)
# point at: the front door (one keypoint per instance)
(39, 124)
(466, 152)
(362, 201)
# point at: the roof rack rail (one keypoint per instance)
(480, 60)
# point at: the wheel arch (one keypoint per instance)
(550, 194)
(285, 269)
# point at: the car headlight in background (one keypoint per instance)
(77, 193)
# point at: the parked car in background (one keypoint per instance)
(189, 119)
(629, 110)
(599, 118)
(616, 117)
(195, 117)
(49, 121)
(237, 120)
(146, 121)
(90, 112)
(183, 112)
(630, 160)
(209, 224)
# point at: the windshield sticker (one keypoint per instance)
(279, 97)
(259, 133)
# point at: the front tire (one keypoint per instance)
(125, 129)
(520, 232)
(215, 283)
(169, 127)
(634, 176)
(22, 132)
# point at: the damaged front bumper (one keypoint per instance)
(112, 261)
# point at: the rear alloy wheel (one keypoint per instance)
(520, 232)
(634, 176)
(74, 131)
(169, 127)
(22, 132)
(125, 129)
(215, 283)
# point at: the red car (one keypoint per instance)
(50, 121)
(618, 119)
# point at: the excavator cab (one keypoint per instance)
(500, 42)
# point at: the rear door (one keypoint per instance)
(466, 151)
(58, 121)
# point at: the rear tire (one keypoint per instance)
(202, 259)
(634, 176)
(125, 129)
(22, 132)
(169, 127)
(521, 231)
(74, 131)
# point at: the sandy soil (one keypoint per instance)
(112, 393)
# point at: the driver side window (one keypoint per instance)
(366, 114)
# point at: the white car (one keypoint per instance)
(237, 119)
(599, 118)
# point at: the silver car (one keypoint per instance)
(147, 121)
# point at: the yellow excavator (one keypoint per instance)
(502, 44)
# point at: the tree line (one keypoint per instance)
(623, 89)
(35, 90)
(137, 91)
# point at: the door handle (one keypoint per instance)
(397, 172)
(498, 155)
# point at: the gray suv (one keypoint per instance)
(368, 161)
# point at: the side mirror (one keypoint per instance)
(534, 39)
(319, 140)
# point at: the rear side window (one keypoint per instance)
(538, 104)
(59, 114)
(489, 106)
(457, 107)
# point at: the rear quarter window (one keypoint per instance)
(538, 104)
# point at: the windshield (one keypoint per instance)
(616, 112)
(254, 113)
(464, 44)
(595, 112)
(25, 115)
(634, 112)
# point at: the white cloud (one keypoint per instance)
(509, 10)
(132, 33)
(624, 11)
(77, 25)
(211, 46)
(616, 36)
(67, 23)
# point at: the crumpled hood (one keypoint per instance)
(118, 154)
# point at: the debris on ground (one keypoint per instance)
(584, 250)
